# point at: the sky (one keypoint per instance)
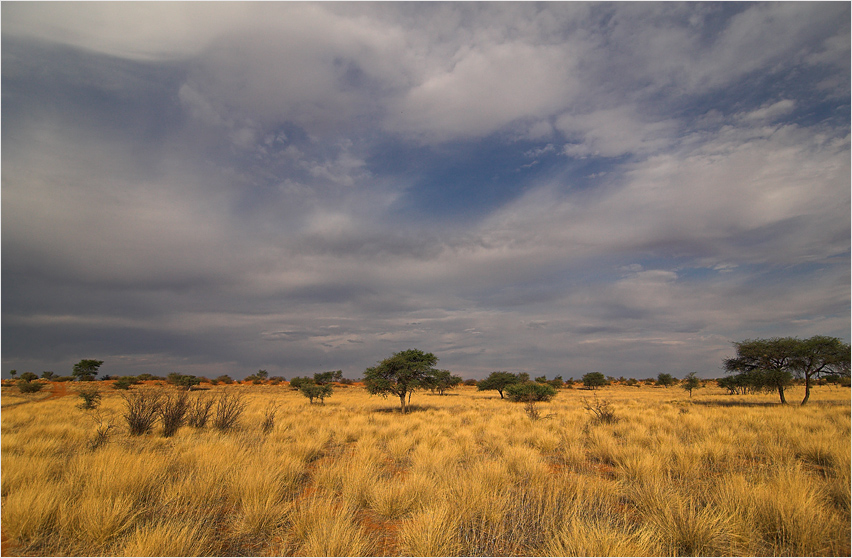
(556, 188)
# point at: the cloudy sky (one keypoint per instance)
(556, 188)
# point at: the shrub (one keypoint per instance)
(297, 381)
(91, 397)
(141, 410)
(229, 409)
(173, 412)
(29, 387)
(601, 410)
(199, 412)
(269, 418)
(28, 377)
(123, 383)
(103, 427)
(531, 393)
(225, 379)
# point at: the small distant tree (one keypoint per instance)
(442, 380)
(297, 381)
(262, 374)
(469, 382)
(541, 379)
(13, 373)
(401, 374)
(86, 369)
(498, 381)
(47, 375)
(28, 377)
(91, 398)
(321, 378)
(183, 380)
(691, 382)
(224, 379)
(531, 393)
(313, 391)
(665, 380)
(557, 382)
(594, 380)
(632, 382)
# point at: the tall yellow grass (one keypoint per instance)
(464, 474)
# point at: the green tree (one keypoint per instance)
(665, 380)
(691, 382)
(13, 373)
(86, 369)
(223, 379)
(321, 378)
(262, 374)
(47, 375)
(183, 380)
(442, 380)
(530, 391)
(594, 380)
(401, 374)
(29, 376)
(297, 381)
(313, 391)
(763, 364)
(817, 356)
(498, 381)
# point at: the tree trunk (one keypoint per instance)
(807, 389)
(500, 391)
(402, 402)
(781, 393)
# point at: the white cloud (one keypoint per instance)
(614, 132)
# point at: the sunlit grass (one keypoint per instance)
(467, 474)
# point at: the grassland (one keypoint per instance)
(463, 474)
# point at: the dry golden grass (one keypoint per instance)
(464, 474)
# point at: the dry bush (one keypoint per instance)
(269, 418)
(228, 410)
(173, 411)
(142, 408)
(199, 411)
(601, 411)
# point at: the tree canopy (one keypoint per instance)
(594, 380)
(772, 363)
(498, 381)
(401, 374)
(87, 369)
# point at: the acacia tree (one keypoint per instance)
(771, 363)
(665, 380)
(442, 380)
(498, 381)
(817, 356)
(86, 369)
(594, 380)
(691, 382)
(401, 374)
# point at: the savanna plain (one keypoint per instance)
(462, 474)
